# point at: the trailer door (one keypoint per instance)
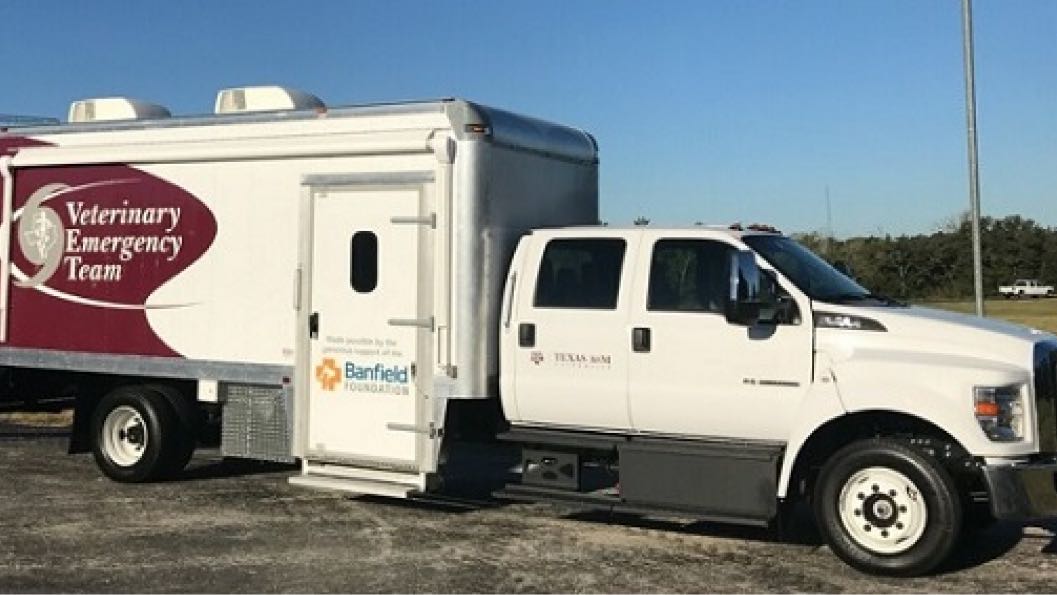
(367, 327)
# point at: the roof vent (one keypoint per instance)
(264, 99)
(105, 109)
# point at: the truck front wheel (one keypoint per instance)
(886, 508)
(136, 435)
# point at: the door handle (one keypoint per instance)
(640, 339)
(526, 334)
(313, 325)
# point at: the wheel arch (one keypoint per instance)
(838, 432)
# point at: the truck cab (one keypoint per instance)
(729, 371)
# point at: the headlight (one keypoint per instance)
(1000, 411)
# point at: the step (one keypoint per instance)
(355, 486)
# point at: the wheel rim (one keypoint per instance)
(124, 436)
(882, 510)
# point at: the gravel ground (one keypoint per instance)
(227, 527)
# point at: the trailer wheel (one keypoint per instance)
(182, 442)
(886, 508)
(136, 435)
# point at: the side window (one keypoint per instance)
(689, 276)
(580, 273)
(363, 261)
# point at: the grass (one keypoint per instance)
(1038, 313)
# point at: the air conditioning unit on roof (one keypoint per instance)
(105, 109)
(264, 99)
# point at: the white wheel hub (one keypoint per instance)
(882, 510)
(124, 436)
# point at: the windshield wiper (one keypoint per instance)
(887, 300)
(861, 297)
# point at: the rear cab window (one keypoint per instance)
(580, 273)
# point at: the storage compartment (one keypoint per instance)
(735, 481)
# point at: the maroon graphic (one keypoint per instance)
(89, 245)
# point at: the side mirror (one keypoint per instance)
(753, 296)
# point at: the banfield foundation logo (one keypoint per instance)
(108, 242)
(352, 377)
(328, 374)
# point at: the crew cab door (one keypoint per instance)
(567, 336)
(698, 374)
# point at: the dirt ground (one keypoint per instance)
(227, 527)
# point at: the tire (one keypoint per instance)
(136, 435)
(182, 442)
(885, 508)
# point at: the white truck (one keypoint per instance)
(1025, 288)
(338, 285)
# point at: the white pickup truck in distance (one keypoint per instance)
(1022, 288)
(729, 372)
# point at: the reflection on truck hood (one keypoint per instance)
(928, 330)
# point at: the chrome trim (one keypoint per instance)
(523, 133)
(141, 365)
(319, 458)
(352, 111)
(505, 128)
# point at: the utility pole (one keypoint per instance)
(974, 173)
(829, 226)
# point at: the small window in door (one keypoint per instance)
(580, 273)
(689, 276)
(363, 261)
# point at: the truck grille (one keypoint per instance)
(1046, 394)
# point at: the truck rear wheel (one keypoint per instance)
(136, 436)
(886, 508)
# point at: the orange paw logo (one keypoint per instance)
(328, 374)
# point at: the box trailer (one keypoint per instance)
(327, 278)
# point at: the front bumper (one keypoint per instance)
(1022, 492)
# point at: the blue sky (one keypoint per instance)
(705, 110)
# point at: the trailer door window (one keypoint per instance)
(363, 261)
(580, 273)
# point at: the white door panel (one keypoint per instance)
(702, 375)
(574, 371)
(364, 274)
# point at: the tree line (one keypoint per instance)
(940, 265)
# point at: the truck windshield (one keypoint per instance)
(814, 276)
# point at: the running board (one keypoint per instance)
(615, 504)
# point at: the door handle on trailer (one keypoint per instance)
(640, 339)
(526, 334)
(313, 325)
